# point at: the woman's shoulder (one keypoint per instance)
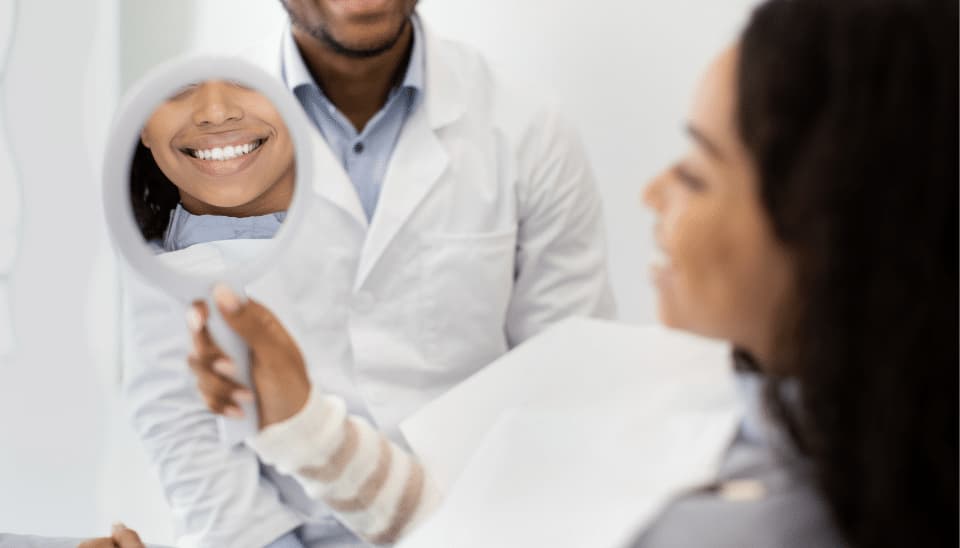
(765, 502)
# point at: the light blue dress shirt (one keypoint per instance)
(364, 154)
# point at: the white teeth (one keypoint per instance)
(660, 258)
(226, 153)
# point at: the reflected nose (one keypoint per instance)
(214, 104)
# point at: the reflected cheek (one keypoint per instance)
(169, 164)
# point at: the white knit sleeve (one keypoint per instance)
(377, 489)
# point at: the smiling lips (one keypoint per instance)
(229, 156)
(661, 265)
(220, 154)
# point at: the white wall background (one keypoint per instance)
(624, 70)
(53, 403)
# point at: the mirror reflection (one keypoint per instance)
(214, 162)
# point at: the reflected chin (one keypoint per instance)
(229, 198)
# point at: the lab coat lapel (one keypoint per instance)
(331, 182)
(419, 159)
(415, 167)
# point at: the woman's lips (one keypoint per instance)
(660, 265)
(224, 152)
(226, 158)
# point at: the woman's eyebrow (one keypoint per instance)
(704, 141)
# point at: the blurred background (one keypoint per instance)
(69, 464)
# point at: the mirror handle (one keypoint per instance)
(233, 431)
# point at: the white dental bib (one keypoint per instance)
(577, 438)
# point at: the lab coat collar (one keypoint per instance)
(415, 167)
(418, 160)
(445, 98)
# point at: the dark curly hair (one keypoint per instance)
(152, 195)
(849, 108)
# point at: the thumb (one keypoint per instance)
(248, 318)
(126, 538)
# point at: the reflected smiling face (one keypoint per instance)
(722, 272)
(225, 147)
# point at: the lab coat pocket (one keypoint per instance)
(467, 281)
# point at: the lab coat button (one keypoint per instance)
(363, 302)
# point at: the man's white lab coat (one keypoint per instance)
(488, 229)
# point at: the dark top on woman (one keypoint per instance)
(764, 497)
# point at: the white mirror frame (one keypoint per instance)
(140, 102)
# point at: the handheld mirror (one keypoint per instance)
(204, 181)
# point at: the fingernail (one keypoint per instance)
(226, 298)
(117, 528)
(194, 320)
(225, 367)
(242, 396)
(233, 412)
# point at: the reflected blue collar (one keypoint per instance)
(186, 229)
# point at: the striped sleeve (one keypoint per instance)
(377, 489)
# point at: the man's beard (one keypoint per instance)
(321, 33)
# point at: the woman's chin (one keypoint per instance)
(228, 206)
(671, 317)
(667, 315)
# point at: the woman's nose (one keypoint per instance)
(652, 194)
(214, 104)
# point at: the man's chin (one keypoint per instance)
(363, 42)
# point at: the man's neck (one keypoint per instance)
(358, 87)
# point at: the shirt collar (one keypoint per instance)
(186, 229)
(758, 426)
(296, 74)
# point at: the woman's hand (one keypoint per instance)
(280, 383)
(121, 538)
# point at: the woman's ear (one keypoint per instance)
(143, 138)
